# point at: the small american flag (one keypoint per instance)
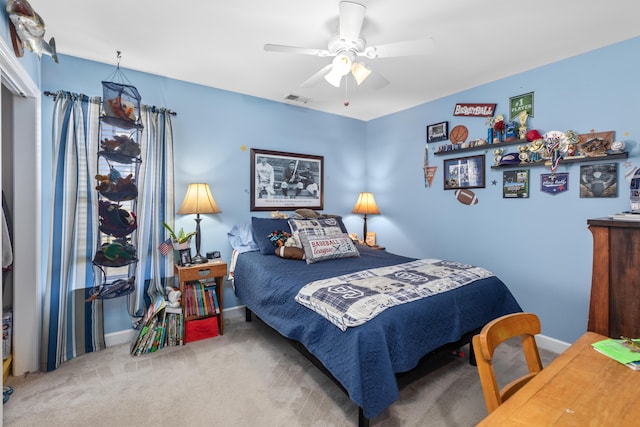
(165, 247)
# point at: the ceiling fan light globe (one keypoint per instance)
(342, 64)
(334, 77)
(360, 72)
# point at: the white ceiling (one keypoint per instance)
(220, 43)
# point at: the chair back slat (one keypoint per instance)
(494, 333)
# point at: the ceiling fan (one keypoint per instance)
(349, 45)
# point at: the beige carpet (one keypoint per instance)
(248, 377)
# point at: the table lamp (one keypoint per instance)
(198, 200)
(366, 204)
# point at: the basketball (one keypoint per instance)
(458, 134)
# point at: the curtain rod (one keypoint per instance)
(47, 93)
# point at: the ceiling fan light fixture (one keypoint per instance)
(334, 77)
(360, 72)
(342, 64)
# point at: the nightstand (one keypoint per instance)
(376, 247)
(212, 270)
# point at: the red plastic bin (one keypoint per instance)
(200, 329)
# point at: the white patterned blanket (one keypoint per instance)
(353, 299)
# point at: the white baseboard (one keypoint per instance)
(127, 336)
(551, 344)
(234, 312)
(120, 337)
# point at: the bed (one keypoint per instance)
(364, 360)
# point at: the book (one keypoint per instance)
(634, 365)
(618, 351)
(153, 330)
(626, 216)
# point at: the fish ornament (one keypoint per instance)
(27, 30)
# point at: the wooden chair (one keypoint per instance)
(524, 325)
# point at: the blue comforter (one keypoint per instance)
(366, 358)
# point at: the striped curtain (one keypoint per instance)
(155, 205)
(71, 326)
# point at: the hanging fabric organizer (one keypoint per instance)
(118, 167)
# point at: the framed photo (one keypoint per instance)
(286, 181)
(515, 184)
(371, 238)
(185, 256)
(438, 132)
(464, 172)
(594, 144)
(599, 180)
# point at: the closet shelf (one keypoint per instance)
(121, 123)
(119, 157)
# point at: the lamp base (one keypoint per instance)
(198, 259)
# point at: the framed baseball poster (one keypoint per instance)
(286, 181)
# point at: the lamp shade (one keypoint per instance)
(198, 200)
(366, 204)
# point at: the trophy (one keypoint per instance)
(522, 130)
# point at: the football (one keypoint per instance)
(466, 197)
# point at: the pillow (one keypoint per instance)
(290, 252)
(311, 214)
(241, 238)
(262, 228)
(322, 248)
(305, 213)
(315, 227)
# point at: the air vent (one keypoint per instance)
(296, 98)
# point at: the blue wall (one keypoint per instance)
(539, 246)
(213, 133)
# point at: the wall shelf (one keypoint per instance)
(482, 147)
(564, 161)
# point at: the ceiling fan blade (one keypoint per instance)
(351, 19)
(404, 48)
(377, 81)
(317, 77)
(294, 49)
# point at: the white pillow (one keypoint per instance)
(322, 248)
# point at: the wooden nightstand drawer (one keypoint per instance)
(201, 272)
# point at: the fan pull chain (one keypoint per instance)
(346, 91)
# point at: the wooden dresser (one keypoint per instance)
(614, 309)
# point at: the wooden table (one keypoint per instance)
(581, 387)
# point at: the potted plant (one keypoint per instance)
(180, 240)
